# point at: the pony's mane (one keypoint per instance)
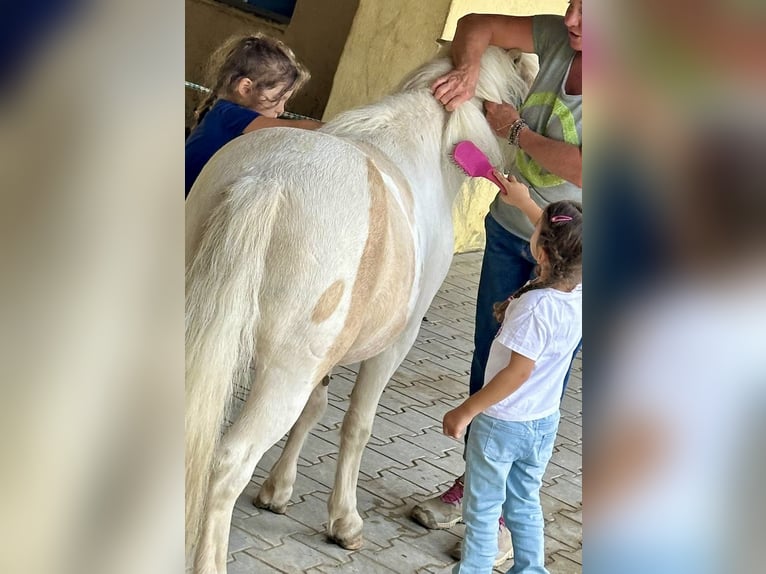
(504, 77)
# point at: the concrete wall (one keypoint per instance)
(317, 33)
(386, 42)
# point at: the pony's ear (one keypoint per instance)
(445, 48)
(515, 55)
(528, 66)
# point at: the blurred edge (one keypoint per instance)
(91, 248)
(676, 265)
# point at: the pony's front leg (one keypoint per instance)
(345, 524)
(278, 487)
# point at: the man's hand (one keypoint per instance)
(500, 117)
(455, 87)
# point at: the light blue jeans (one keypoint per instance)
(505, 463)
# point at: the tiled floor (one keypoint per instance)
(407, 459)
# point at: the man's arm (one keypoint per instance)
(561, 158)
(474, 33)
(558, 157)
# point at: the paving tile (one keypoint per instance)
(410, 418)
(452, 462)
(319, 542)
(563, 565)
(403, 555)
(407, 376)
(425, 394)
(573, 556)
(574, 515)
(565, 530)
(571, 431)
(553, 505)
(568, 458)
(244, 563)
(272, 528)
(422, 472)
(241, 540)
(310, 510)
(392, 487)
(315, 448)
(436, 413)
(565, 490)
(434, 440)
(454, 387)
(381, 529)
(293, 556)
(401, 451)
(554, 471)
(358, 564)
(397, 401)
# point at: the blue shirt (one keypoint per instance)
(221, 124)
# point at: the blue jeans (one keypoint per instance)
(506, 266)
(505, 463)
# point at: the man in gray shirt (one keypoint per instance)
(546, 131)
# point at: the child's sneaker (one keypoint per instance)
(504, 546)
(443, 511)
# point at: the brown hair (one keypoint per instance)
(561, 240)
(266, 61)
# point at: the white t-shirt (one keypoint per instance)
(544, 325)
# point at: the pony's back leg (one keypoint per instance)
(275, 402)
(278, 487)
(345, 524)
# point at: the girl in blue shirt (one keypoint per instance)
(251, 79)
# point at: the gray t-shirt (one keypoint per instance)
(550, 112)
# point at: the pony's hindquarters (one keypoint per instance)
(301, 260)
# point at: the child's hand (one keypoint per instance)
(514, 192)
(455, 421)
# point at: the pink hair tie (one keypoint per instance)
(560, 218)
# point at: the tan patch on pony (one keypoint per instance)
(380, 296)
(328, 302)
(369, 266)
(382, 162)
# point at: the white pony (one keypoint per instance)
(306, 250)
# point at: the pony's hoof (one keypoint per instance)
(353, 543)
(347, 532)
(269, 505)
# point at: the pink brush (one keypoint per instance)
(473, 162)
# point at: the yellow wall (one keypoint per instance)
(510, 7)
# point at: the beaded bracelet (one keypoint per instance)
(516, 127)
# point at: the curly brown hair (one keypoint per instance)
(268, 62)
(561, 240)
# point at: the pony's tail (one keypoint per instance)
(222, 284)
